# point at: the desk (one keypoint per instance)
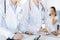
(43, 37)
(31, 37)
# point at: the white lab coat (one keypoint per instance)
(15, 20)
(35, 18)
(38, 16)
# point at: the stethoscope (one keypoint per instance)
(14, 7)
(43, 9)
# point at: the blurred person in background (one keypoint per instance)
(54, 20)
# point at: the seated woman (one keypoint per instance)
(53, 20)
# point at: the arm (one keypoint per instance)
(54, 20)
(23, 21)
(6, 33)
(3, 30)
(48, 23)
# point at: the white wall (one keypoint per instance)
(55, 3)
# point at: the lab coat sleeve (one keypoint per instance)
(23, 25)
(48, 23)
(6, 33)
(3, 30)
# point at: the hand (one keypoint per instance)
(44, 30)
(18, 36)
(56, 33)
(29, 33)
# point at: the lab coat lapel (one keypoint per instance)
(36, 13)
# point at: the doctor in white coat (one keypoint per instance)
(38, 16)
(35, 16)
(15, 20)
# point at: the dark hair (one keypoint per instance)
(54, 10)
